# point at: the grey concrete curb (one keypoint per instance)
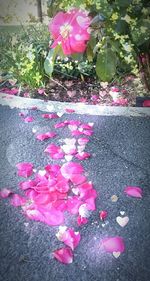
(80, 108)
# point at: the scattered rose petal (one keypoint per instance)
(113, 244)
(69, 110)
(17, 200)
(50, 115)
(24, 169)
(45, 136)
(60, 125)
(26, 95)
(120, 101)
(133, 191)
(64, 255)
(122, 221)
(70, 168)
(83, 155)
(54, 151)
(81, 220)
(103, 215)
(28, 119)
(83, 141)
(41, 91)
(5, 192)
(69, 237)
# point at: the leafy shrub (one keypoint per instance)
(120, 39)
(24, 56)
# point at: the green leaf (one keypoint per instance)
(90, 47)
(49, 63)
(50, 60)
(123, 3)
(121, 27)
(106, 65)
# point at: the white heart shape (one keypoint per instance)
(116, 254)
(82, 21)
(122, 213)
(122, 221)
(60, 114)
(68, 157)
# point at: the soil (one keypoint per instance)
(89, 91)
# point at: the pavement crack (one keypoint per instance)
(107, 146)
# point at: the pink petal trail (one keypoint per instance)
(25, 169)
(64, 255)
(5, 192)
(134, 191)
(113, 244)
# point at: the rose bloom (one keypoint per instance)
(71, 30)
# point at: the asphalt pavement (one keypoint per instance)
(120, 149)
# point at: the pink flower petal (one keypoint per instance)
(83, 141)
(60, 125)
(50, 115)
(45, 136)
(27, 184)
(54, 151)
(103, 215)
(69, 110)
(64, 255)
(73, 205)
(76, 133)
(25, 169)
(62, 186)
(81, 220)
(83, 155)
(5, 192)
(73, 122)
(17, 200)
(41, 91)
(28, 119)
(77, 179)
(133, 191)
(86, 126)
(87, 132)
(113, 244)
(70, 168)
(70, 238)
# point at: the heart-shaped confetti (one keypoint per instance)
(122, 221)
(116, 254)
(122, 213)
